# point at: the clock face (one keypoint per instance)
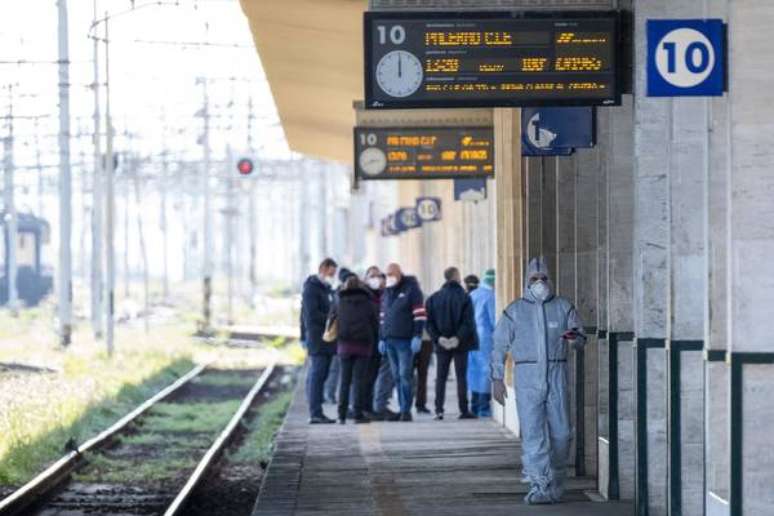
(372, 161)
(399, 73)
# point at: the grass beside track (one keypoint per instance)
(258, 444)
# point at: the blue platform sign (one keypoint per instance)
(407, 218)
(429, 209)
(556, 131)
(686, 58)
(469, 190)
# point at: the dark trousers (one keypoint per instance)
(369, 384)
(421, 365)
(444, 359)
(353, 370)
(319, 365)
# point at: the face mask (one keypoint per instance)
(330, 280)
(391, 281)
(540, 290)
(374, 283)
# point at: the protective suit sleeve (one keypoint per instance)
(573, 322)
(490, 313)
(503, 336)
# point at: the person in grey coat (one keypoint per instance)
(537, 330)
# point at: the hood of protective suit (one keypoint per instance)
(537, 264)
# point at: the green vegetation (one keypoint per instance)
(26, 447)
(259, 442)
(170, 442)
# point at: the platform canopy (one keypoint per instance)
(312, 53)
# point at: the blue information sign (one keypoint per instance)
(469, 190)
(686, 58)
(556, 131)
(429, 209)
(407, 218)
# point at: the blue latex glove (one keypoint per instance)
(416, 345)
(382, 347)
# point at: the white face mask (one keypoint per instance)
(391, 281)
(330, 280)
(540, 290)
(374, 282)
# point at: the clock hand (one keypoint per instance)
(400, 68)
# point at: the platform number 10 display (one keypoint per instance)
(685, 58)
(399, 73)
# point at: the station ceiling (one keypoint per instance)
(311, 51)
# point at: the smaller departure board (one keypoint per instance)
(423, 153)
(488, 59)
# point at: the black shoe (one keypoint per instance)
(406, 416)
(377, 416)
(361, 420)
(321, 420)
(468, 415)
(373, 416)
(438, 416)
(422, 410)
(392, 416)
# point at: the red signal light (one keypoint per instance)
(245, 166)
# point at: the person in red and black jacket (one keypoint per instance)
(400, 333)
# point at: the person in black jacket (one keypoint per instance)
(452, 326)
(315, 304)
(358, 322)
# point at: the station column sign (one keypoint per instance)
(686, 58)
(490, 59)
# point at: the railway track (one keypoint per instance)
(154, 459)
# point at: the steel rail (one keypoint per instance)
(51, 477)
(214, 451)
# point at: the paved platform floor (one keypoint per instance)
(425, 468)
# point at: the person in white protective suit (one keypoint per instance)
(537, 330)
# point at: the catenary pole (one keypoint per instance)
(207, 222)
(110, 257)
(11, 219)
(65, 193)
(97, 316)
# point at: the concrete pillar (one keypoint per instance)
(652, 144)
(750, 272)
(533, 177)
(586, 296)
(548, 235)
(716, 370)
(618, 447)
(510, 229)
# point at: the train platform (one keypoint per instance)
(425, 467)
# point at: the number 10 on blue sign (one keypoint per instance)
(686, 58)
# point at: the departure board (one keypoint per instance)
(423, 153)
(490, 59)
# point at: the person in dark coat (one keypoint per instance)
(316, 300)
(452, 326)
(358, 324)
(402, 321)
(332, 382)
(379, 383)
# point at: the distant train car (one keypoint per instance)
(32, 281)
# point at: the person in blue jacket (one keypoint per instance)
(478, 364)
(400, 333)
